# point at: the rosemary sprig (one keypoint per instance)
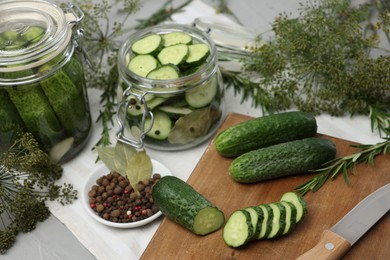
(345, 165)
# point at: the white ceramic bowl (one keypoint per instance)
(103, 170)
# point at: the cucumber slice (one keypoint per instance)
(150, 44)
(291, 213)
(266, 225)
(254, 220)
(33, 34)
(174, 38)
(299, 203)
(202, 95)
(164, 72)
(198, 53)
(137, 108)
(278, 220)
(143, 64)
(260, 218)
(175, 111)
(175, 54)
(238, 229)
(162, 126)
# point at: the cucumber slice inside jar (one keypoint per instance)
(175, 54)
(161, 128)
(165, 72)
(143, 64)
(174, 38)
(148, 45)
(202, 95)
(198, 54)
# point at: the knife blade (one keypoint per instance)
(336, 241)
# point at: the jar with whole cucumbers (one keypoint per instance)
(173, 93)
(42, 85)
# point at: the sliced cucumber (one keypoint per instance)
(266, 225)
(150, 44)
(198, 53)
(291, 213)
(161, 127)
(33, 34)
(137, 108)
(278, 220)
(143, 64)
(254, 220)
(238, 229)
(175, 111)
(202, 95)
(298, 202)
(174, 38)
(164, 72)
(175, 54)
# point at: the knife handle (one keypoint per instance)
(331, 246)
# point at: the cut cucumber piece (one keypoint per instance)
(175, 111)
(175, 54)
(33, 34)
(254, 220)
(266, 225)
(198, 53)
(174, 38)
(143, 64)
(162, 126)
(202, 95)
(238, 229)
(299, 203)
(164, 72)
(278, 220)
(150, 44)
(291, 213)
(184, 205)
(136, 108)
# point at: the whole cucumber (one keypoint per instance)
(265, 131)
(184, 205)
(295, 157)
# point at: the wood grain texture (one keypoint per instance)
(325, 207)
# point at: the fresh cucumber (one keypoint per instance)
(143, 64)
(150, 44)
(164, 72)
(265, 221)
(184, 205)
(175, 54)
(198, 54)
(161, 127)
(238, 229)
(202, 95)
(174, 38)
(280, 160)
(175, 112)
(298, 202)
(265, 131)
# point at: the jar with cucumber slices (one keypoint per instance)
(171, 86)
(42, 85)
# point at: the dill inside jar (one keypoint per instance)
(173, 93)
(42, 85)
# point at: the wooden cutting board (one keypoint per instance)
(325, 207)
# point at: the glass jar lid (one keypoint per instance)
(32, 33)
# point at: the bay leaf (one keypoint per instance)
(139, 168)
(124, 152)
(194, 125)
(109, 158)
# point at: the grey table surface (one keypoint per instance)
(51, 239)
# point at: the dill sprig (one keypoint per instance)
(345, 166)
(27, 180)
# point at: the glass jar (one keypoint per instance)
(42, 85)
(170, 114)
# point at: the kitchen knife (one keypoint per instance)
(334, 243)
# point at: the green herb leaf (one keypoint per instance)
(139, 168)
(193, 125)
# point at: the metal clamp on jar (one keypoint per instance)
(164, 112)
(42, 85)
